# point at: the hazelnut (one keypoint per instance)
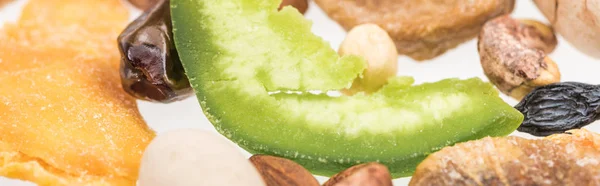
(372, 43)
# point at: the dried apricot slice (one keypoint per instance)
(64, 118)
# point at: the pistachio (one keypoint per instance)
(368, 174)
(373, 44)
(514, 55)
(277, 171)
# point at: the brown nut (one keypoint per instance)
(421, 29)
(300, 5)
(143, 4)
(368, 174)
(578, 21)
(513, 58)
(277, 171)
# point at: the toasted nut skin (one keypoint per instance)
(545, 39)
(301, 5)
(578, 21)
(277, 171)
(143, 4)
(421, 29)
(513, 58)
(368, 174)
(373, 44)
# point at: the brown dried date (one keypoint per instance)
(559, 107)
(150, 66)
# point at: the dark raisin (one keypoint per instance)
(150, 66)
(559, 107)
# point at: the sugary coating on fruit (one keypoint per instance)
(561, 159)
(64, 118)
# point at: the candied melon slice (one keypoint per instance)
(64, 118)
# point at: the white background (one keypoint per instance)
(462, 62)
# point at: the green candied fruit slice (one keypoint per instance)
(252, 68)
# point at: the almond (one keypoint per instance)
(368, 174)
(278, 171)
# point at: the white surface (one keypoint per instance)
(462, 62)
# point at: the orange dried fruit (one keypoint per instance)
(64, 118)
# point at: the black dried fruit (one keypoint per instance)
(559, 107)
(150, 66)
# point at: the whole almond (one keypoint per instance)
(277, 171)
(368, 174)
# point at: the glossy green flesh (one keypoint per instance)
(238, 54)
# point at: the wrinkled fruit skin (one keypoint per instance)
(150, 66)
(559, 107)
(277, 171)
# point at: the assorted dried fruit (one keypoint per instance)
(243, 86)
(578, 21)
(559, 107)
(372, 43)
(421, 29)
(82, 127)
(513, 55)
(368, 174)
(195, 157)
(150, 66)
(562, 159)
(277, 171)
(64, 118)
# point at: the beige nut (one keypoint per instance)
(513, 55)
(578, 21)
(368, 174)
(195, 157)
(373, 44)
(277, 171)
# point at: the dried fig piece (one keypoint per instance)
(150, 66)
(277, 171)
(513, 55)
(421, 29)
(564, 159)
(368, 174)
